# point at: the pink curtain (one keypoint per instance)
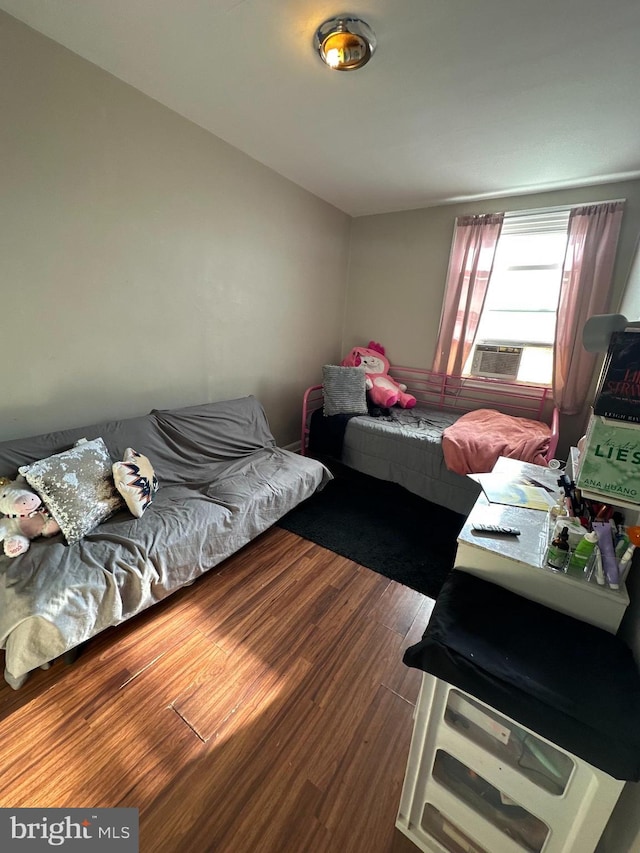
(585, 290)
(474, 248)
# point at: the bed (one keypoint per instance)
(407, 446)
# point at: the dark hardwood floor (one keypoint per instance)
(265, 708)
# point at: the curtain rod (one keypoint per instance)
(558, 208)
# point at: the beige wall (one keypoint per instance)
(147, 263)
(398, 269)
(144, 261)
(630, 305)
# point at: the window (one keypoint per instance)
(517, 326)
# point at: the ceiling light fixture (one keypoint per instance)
(345, 43)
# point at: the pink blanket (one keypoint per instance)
(474, 442)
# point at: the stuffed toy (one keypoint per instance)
(25, 516)
(383, 390)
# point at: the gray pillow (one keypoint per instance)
(344, 390)
(77, 487)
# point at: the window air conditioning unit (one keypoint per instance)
(496, 361)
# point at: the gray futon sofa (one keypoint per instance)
(222, 481)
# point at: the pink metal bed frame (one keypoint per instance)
(463, 394)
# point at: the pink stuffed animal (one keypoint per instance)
(25, 516)
(383, 390)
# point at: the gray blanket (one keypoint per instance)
(222, 482)
(406, 448)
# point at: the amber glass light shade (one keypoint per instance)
(345, 43)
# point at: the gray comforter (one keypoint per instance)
(222, 482)
(405, 447)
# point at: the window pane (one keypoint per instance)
(536, 365)
(520, 327)
(524, 290)
(530, 249)
(522, 296)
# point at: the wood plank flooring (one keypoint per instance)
(264, 708)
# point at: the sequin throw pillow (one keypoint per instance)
(76, 487)
(344, 390)
(135, 480)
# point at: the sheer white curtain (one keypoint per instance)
(585, 291)
(470, 264)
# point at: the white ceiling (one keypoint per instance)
(463, 99)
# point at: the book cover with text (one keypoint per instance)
(618, 392)
(610, 461)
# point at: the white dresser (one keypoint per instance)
(479, 782)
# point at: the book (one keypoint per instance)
(609, 465)
(518, 491)
(617, 394)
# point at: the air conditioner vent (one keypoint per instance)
(499, 362)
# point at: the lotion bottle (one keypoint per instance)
(580, 557)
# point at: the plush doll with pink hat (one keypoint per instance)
(25, 516)
(383, 390)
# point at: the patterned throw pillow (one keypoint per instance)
(135, 480)
(76, 487)
(344, 390)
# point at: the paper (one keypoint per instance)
(506, 490)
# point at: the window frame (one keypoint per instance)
(526, 223)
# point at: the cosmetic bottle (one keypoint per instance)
(621, 544)
(580, 557)
(558, 550)
(625, 563)
(598, 568)
(609, 562)
(558, 509)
